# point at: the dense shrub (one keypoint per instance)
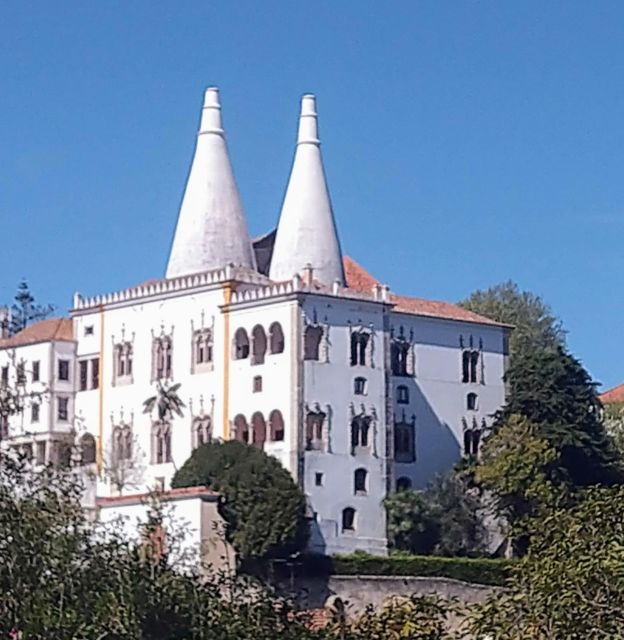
(489, 571)
(263, 507)
(443, 519)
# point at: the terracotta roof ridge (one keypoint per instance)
(613, 395)
(49, 329)
(359, 279)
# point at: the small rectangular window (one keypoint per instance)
(83, 374)
(359, 386)
(62, 413)
(5, 375)
(63, 369)
(318, 479)
(95, 373)
(257, 384)
(35, 371)
(34, 413)
(21, 373)
(40, 452)
(88, 330)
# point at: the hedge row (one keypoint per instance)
(477, 570)
(488, 571)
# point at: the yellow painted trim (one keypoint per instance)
(227, 299)
(100, 440)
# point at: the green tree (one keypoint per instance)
(410, 618)
(571, 583)
(443, 519)
(166, 401)
(263, 508)
(411, 525)
(25, 311)
(523, 474)
(553, 391)
(64, 577)
(535, 325)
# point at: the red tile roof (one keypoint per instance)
(613, 396)
(165, 496)
(58, 329)
(360, 280)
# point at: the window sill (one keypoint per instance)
(202, 367)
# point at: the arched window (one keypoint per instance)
(258, 430)
(87, 449)
(404, 445)
(259, 344)
(359, 343)
(359, 386)
(403, 484)
(276, 338)
(122, 443)
(241, 344)
(359, 481)
(314, 430)
(402, 394)
(161, 442)
(471, 402)
(162, 351)
(348, 519)
(360, 426)
(202, 431)
(241, 429)
(312, 342)
(276, 426)
(399, 352)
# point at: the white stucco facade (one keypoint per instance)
(356, 391)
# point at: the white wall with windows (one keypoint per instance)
(41, 374)
(345, 422)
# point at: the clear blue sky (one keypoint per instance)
(465, 142)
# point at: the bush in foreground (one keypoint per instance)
(263, 508)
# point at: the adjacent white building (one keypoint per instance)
(282, 343)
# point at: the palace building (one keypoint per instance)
(282, 342)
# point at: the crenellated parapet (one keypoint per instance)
(171, 286)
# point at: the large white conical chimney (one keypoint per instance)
(211, 230)
(306, 234)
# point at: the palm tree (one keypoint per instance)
(166, 401)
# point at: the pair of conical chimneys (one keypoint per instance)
(212, 230)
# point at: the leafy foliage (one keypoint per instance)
(24, 311)
(412, 618)
(167, 402)
(571, 583)
(535, 325)
(263, 508)
(523, 473)
(613, 420)
(62, 577)
(553, 391)
(443, 519)
(492, 571)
